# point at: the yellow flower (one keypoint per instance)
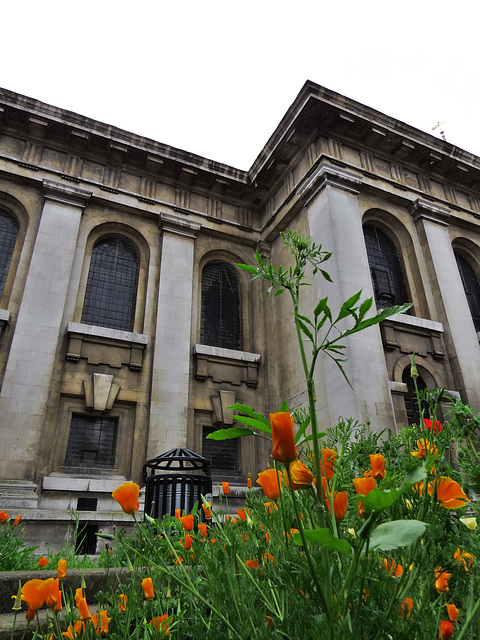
(470, 523)
(424, 448)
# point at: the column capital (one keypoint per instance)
(178, 226)
(66, 194)
(325, 174)
(429, 211)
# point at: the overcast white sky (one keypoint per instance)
(215, 77)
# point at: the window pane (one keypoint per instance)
(111, 290)
(385, 268)
(8, 238)
(220, 318)
(92, 441)
(472, 289)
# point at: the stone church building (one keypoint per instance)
(127, 330)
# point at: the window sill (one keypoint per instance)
(122, 347)
(4, 318)
(413, 334)
(226, 365)
(67, 482)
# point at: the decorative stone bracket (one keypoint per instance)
(100, 345)
(410, 334)
(100, 392)
(226, 365)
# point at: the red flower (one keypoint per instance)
(249, 482)
(225, 488)
(42, 562)
(3, 516)
(17, 520)
(437, 426)
(127, 496)
(363, 486)
(187, 543)
(252, 564)
(202, 527)
(446, 630)
(406, 607)
(452, 612)
(284, 449)
(187, 522)
(207, 512)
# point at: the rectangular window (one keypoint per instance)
(92, 441)
(223, 455)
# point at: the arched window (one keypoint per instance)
(220, 315)
(472, 288)
(111, 291)
(8, 237)
(385, 268)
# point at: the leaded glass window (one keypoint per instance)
(8, 238)
(111, 291)
(385, 268)
(92, 441)
(220, 316)
(472, 288)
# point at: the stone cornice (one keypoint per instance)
(429, 211)
(178, 226)
(328, 175)
(66, 194)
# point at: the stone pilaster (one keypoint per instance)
(451, 303)
(335, 222)
(172, 352)
(24, 393)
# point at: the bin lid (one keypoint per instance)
(179, 460)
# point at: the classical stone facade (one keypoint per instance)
(127, 330)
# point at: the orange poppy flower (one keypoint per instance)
(104, 620)
(202, 527)
(42, 562)
(206, 511)
(127, 496)
(446, 630)
(17, 520)
(302, 477)
(83, 609)
(424, 448)
(252, 564)
(270, 480)
(392, 568)
(377, 462)
(450, 494)
(32, 594)
(441, 582)
(62, 569)
(464, 558)
(187, 522)
(241, 514)
(249, 482)
(406, 608)
(50, 590)
(78, 595)
(225, 488)
(123, 600)
(178, 514)
(363, 486)
(187, 543)
(328, 463)
(147, 585)
(75, 631)
(340, 500)
(452, 612)
(284, 449)
(161, 621)
(3, 516)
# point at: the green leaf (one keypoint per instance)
(325, 538)
(397, 533)
(304, 330)
(305, 319)
(380, 499)
(325, 274)
(364, 307)
(253, 423)
(320, 308)
(348, 305)
(249, 268)
(417, 474)
(302, 429)
(278, 292)
(229, 434)
(249, 411)
(283, 407)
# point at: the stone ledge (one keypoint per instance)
(67, 482)
(101, 345)
(226, 365)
